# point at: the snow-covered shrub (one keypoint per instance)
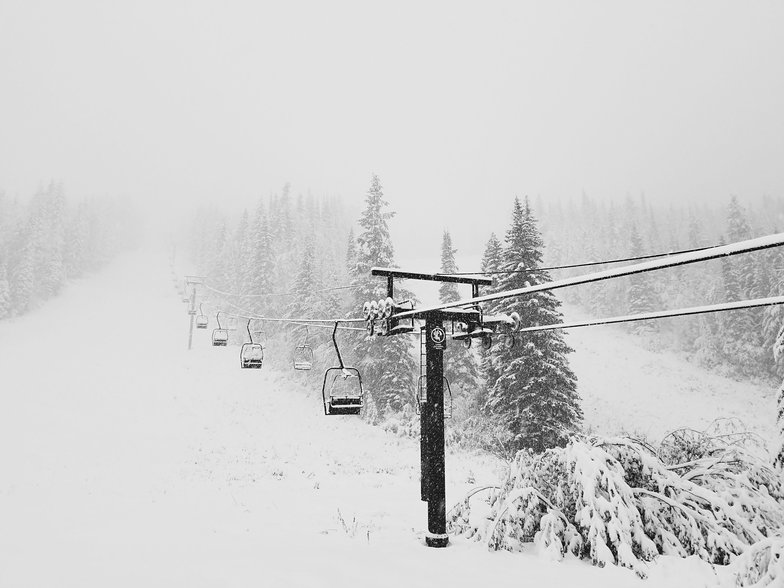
(615, 501)
(762, 564)
(404, 423)
(778, 353)
(470, 432)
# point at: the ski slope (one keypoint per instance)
(129, 461)
(628, 388)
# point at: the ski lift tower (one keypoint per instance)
(192, 281)
(433, 334)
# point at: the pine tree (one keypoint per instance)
(22, 280)
(641, 294)
(304, 303)
(492, 260)
(740, 330)
(447, 292)
(351, 253)
(536, 395)
(737, 225)
(387, 365)
(778, 353)
(459, 363)
(774, 315)
(259, 276)
(5, 293)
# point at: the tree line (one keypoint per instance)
(276, 262)
(46, 241)
(300, 257)
(738, 344)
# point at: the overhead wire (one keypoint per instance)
(325, 323)
(274, 294)
(672, 260)
(747, 246)
(583, 264)
(494, 272)
(721, 307)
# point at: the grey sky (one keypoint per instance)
(457, 106)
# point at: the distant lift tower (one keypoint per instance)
(193, 282)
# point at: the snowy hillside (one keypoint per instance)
(626, 388)
(129, 461)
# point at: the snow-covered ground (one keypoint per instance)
(128, 461)
(628, 388)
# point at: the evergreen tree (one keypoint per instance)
(459, 362)
(387, 365)
(5, 293)
(642, 296)
(304, 303)
(259, 276)
(778, 353)
(351, 253)
(774, 315)
(740, 331)
(737, 225)
(492, 261)
(447, 292)
(536, 395)
(22, 280)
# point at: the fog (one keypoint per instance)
(458, 107)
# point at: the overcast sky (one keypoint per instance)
(457, 106)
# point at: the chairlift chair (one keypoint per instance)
(251, 354)
(303, 355)
(201, 319)
(345, 391)
(220, 336)
(341, 391)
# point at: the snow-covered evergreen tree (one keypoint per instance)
(305, 301)
(447, 291)
(642, 294)
(5, 293)
(536, 395)
(492, 260)
(351, 253)
(387, 364)
(22, 279)
(459, 363)
(778, 352)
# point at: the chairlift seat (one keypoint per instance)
(201, 322)
(303, 357)
(251, 356)
(341, 406)
(220, 337)
(342, 391)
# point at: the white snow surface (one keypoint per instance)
(627, 388)
(127, 460)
